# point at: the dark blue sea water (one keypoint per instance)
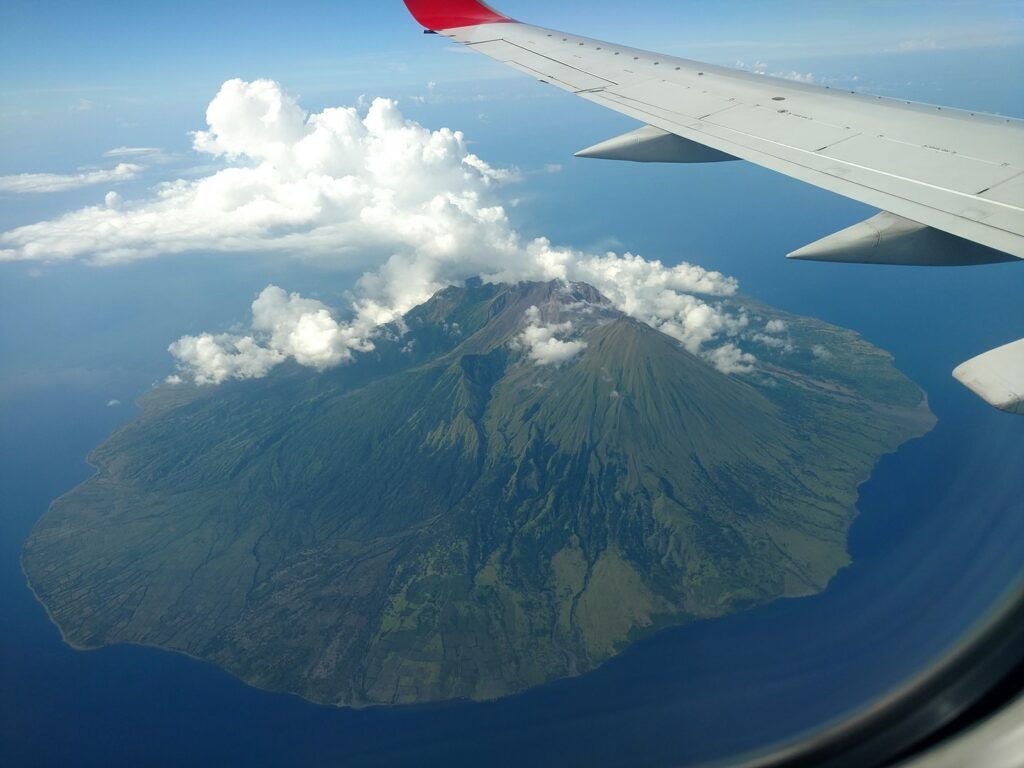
(938, 540)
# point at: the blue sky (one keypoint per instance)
(73, 74)
(52, 54)
(71, 46)
(79, 80)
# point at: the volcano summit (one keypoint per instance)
(513, 486)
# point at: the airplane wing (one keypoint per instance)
(949, 183)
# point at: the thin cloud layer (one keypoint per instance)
(40, 183)
(411, 208)
(133, 152)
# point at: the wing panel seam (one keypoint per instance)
(556, 61)
(702, 122)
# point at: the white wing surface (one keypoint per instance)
(949, 183)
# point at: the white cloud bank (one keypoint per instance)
(39, 183)
(285, 326)
(412, 208)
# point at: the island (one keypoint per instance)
(456, 515)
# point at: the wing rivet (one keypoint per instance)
(778, 98)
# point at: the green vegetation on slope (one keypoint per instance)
(444, 518)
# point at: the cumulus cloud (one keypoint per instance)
(38, 183)
(541, 341)
(800, 77)
(285, 326)
(761, 68)
(772, 341)
(213, 359)
(663, 297)
(775, 335)
(729, 358)
(315, 184)
(412, 209)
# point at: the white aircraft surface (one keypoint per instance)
(949, 183)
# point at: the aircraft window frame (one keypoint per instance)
(983, 671)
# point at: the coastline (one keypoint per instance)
(923, 407)
(917, 422)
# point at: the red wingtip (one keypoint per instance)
(449, 14)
